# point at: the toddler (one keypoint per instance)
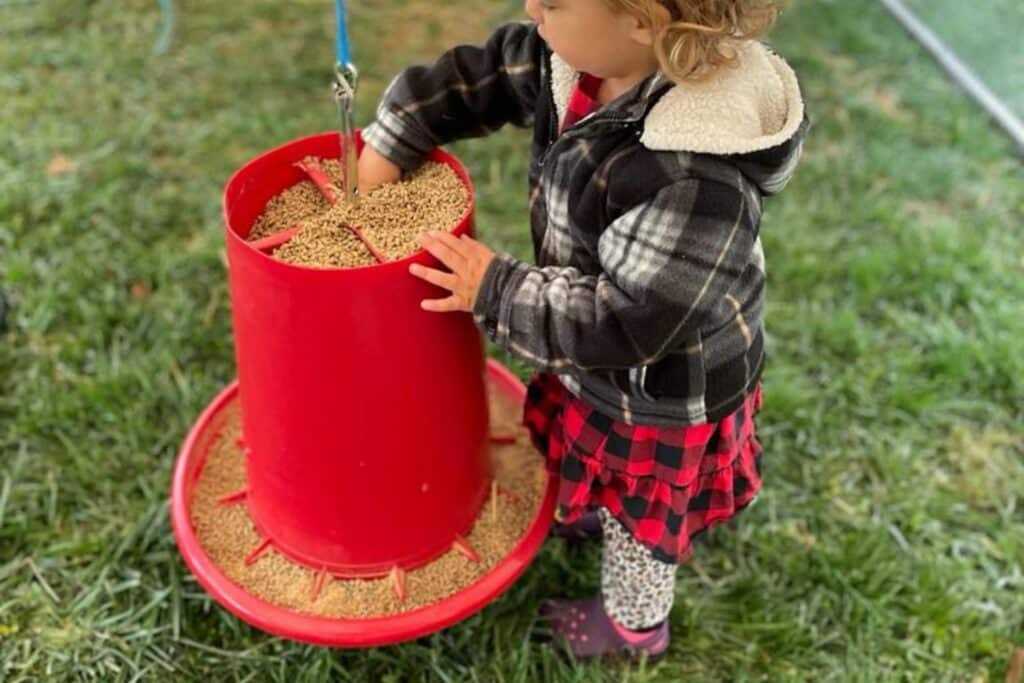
(658, 128)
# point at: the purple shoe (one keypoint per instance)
(586, 528)
(587, 632)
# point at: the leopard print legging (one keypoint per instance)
(638, 590)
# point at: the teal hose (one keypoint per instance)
(163, 41)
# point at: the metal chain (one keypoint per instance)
(346, 78)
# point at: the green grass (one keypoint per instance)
(889, 541)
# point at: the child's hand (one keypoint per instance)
(374, 170)
(468, 261)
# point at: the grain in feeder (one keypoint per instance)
(329, 232)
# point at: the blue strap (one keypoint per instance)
(341, 16)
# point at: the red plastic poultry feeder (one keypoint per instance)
(364, 422)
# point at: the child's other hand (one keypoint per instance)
(375, 169)
(466, 258)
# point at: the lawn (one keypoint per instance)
(888, 544)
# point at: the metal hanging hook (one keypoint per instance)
(346, 78)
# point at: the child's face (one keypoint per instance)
(590, 37)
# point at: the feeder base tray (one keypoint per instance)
(325, 611)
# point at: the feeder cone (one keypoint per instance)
(364, 420)
(365, 416)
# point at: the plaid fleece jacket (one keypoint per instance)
(647, 294)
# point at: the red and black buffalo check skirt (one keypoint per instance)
(665, 484)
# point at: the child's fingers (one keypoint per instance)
(443, 251)
(434, 277)
(461, 248)
(449, 305)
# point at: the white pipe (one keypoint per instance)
(964, 77)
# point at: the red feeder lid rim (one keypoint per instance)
(345, 632)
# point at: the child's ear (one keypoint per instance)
(644, 33)
(641, 35)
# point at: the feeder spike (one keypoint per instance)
(374, 251)
(269, 243)
(318, 584)
(232, 498)
(258, 552)
(508, 494)
(316, 173)
(494, 501)
(503, 439)
(463, 546)
(398, 579)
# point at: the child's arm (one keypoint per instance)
(666, 263)
(470, 91)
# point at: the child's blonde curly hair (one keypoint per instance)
(701, 35)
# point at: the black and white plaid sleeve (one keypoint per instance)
(471, 91)
(665, 264)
